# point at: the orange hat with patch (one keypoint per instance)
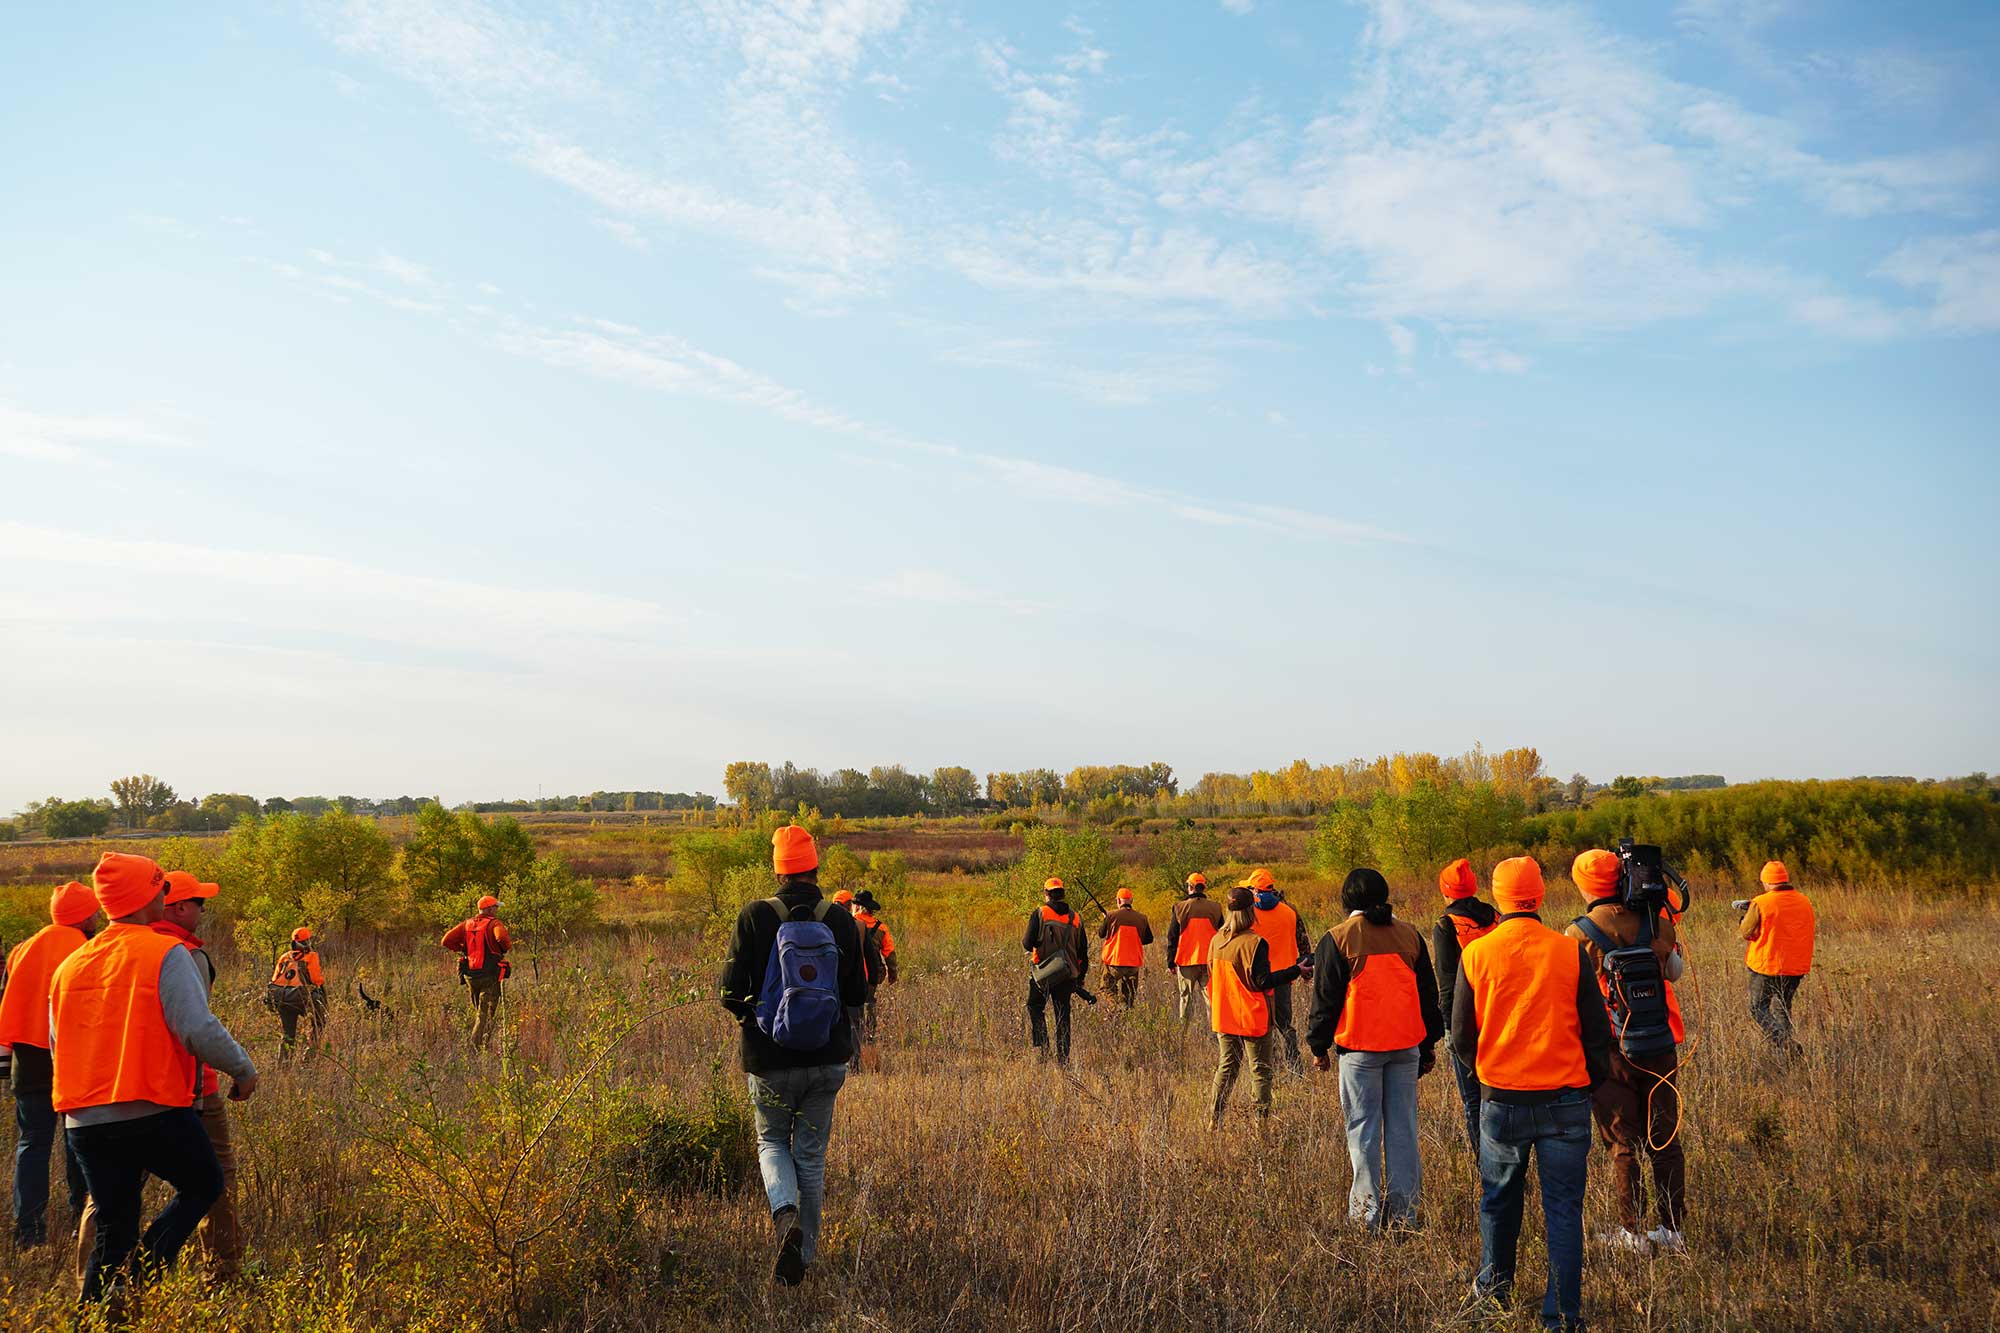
(125, 883)
(1124, 895)
(1455, 881)
(183, 887)
(1595, 873)
(844, 897)
(1774, 872)
(72, 904)
(1517, 884)
(1051, 884)
(793, 851)
(1197, 878)
(1260, 878)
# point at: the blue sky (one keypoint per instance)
(436, 396)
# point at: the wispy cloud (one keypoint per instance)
(935, 587)
(61, 438)
(1133, 383)
(1487, 355)
(1960, 273)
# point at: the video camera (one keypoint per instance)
(1644, 880)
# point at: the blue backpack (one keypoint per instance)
(799, 1002)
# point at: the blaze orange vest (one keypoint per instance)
(868, 919)
(111, 1041)
(1468, 931)
(1784, 944)
(1234, 1007)
(1523, 979)
(1280, 929)
(1381, 1012)
(1191, 950)
(295, 968)
(1051, 914)
(476, 931)
(24, 1009)
(1123, 948)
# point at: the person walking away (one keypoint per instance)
(1638, 1106)
(1529, 1019)
(792, 975)
(1190, 931)
(1126, 933)
(874, 969)
(1240, 983)
(1282, 929)
(24, 1029)
(1779, 926)
(1054, 932)
(869, 919)
(129, 1028)
(1465, 919)
(221, 1232)
(298, 989)
(1375, 1003)
(483, 940)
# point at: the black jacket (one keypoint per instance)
(1444, 944)
(743, 976)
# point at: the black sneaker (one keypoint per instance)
(791, 1266)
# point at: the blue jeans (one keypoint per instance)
(1468, 1096)
(37, 1125)
(1378, 1092)
(794, 1121)
(117, 1158)
(1558, 1132)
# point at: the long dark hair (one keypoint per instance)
(1366, 892)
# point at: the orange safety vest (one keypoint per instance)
(476, 931)
(1191, 950)
(1468, 931)
(296, 968)
(1280, 929)
(1123, 948)
(1784, 943)
(111, 1041)
(1381, 1012)
(1235, 1008)
(1523, 980)
(24, 1009)
(1051, 914)
(868, 919)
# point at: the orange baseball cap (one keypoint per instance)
(1517, 884)
(793, 851)
(1595, 873)
(125, 883)
(72, 904)
(1051, 883)
(1197, 878)
(1260, 878)
(1124, 895)
(488, 901)
(1774, 872)
(1456, 881)
(182, 887)
(844, 897)
(302, 934)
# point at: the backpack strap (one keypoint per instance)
(1605, 944)
(821, 908)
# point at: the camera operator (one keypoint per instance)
(1638, 1107)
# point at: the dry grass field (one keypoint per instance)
(597, 1177)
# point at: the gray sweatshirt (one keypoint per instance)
(184, 1000)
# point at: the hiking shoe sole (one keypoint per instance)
(791, 1267)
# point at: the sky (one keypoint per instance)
(458, 398)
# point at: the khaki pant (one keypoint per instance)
(1124, 983)
(221, 1234)
(1637, 1107)
(1192, 979)
(485, 1010)
(1262, 1067)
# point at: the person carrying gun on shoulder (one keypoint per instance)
(1126, 932)
(1195, 920)
(1779, 927)
(1375, 1004)
(1638, 1106)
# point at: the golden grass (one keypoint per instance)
(971, 1188)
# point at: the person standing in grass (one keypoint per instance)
(874, 967)
(1053, 928)
(298, 990)
(1529, 1019)
(792, 977)
(1465, 919)
(129, 1028)
(1196, 919)
(484, 941)
(1126, 932)
(24, 1028)
(1779, 927)
(1375, 1003)
(1279, 923)
(1240, 981)
(1638, 1106)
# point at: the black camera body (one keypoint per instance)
(1645, 880)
